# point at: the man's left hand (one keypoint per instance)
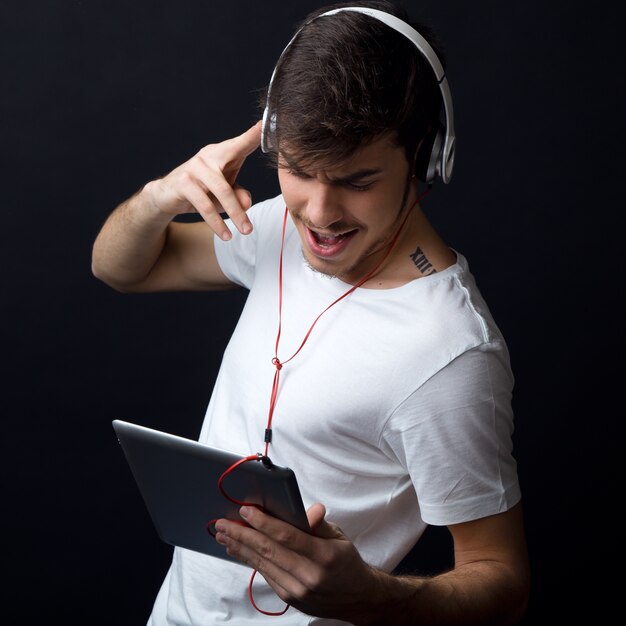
(320, 573)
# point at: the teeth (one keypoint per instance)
(329, 239)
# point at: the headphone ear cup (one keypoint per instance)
(268, 130)
(428, 157)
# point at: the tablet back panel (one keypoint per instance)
(178, 477)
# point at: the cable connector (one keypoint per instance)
(267, 462)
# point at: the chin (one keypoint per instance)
(342, 271)
(321, 267)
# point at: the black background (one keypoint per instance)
(99, 97)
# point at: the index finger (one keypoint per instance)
(223, 162)
(249, 140)
(283, 533)
(264, 541)
(233, 152)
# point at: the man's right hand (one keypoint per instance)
(207, 184)
(141, 247)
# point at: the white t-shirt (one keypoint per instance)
(395, 414)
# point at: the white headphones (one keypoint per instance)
(436, 154)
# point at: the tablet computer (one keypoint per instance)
(178, 480)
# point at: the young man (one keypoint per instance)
(382, 378)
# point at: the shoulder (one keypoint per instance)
(457, 311)
(268, 212)
(239, 257)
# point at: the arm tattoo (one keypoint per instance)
(422, 263)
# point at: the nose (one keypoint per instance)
(324, 206)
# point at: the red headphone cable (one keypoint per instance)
(279, 365)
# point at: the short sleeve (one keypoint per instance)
(454, 437)
(238, 257)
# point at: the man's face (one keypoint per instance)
(347, 214)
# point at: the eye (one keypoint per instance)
(299, 174)
(359, 186)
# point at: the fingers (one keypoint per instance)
(269, 542)
(321, 573)
(249, 140)
(277, 555)
(223, 197)
(315, 515)
(319, 526)
(222, 163)
(243, 196)
(207, 184)
(308, 571)
(267, 539)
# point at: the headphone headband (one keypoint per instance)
(444, 147)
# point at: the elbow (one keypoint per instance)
(518, 597)
(100, 273)
(99, 268)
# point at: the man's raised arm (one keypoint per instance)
(140, 248)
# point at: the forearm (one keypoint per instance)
(130, 242)
(480, 594)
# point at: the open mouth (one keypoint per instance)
(328, 246)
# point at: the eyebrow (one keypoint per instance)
(355, 176)
(348, 178)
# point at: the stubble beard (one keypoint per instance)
(377, 246)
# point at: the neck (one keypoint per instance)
(385, 260)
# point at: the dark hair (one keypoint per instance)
(347, 80)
